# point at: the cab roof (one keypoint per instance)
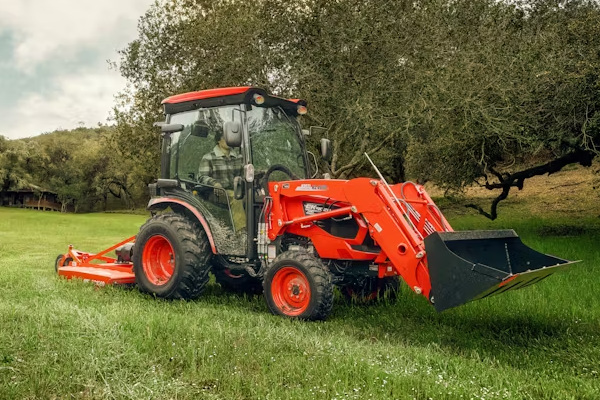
(226, 96)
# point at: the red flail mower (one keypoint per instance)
(238, 197)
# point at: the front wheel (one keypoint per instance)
(61, 261)
(298, 285)
(171, 257)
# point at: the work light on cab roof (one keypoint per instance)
(258, 99)
(250, 211)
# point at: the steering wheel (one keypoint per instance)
(264, 181)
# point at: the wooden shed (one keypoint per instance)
(34, 198)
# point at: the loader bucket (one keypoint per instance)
(471, 265)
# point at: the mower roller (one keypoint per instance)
(238, 197)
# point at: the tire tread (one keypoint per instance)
(196, 255)
(321, 276)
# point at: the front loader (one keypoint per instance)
(238, 197)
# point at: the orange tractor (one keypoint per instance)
(238, 197)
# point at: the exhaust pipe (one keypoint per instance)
(471, 265)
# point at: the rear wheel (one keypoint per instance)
(369, 289)
(298, 285)
(171, 257)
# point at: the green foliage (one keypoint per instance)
(80, 166)
(15, 164)
(184, 46)
(450, 91)
(454, 92)
(522, 86)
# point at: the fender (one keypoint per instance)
(161, 203)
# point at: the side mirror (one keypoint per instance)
(326, 149)
(232, 133)
(239, 187)
(169, 128)
(200, 129)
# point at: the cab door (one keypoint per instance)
(206, 173)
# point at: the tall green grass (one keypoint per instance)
(69, 339)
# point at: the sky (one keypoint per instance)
(54, 71)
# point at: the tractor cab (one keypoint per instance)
(220, 147)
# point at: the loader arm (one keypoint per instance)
(413, 239)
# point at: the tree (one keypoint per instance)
(455, 92)
(183, 46)
(517, 101)
(15, 160)
(81, 166)
(190, 45)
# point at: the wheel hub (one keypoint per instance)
(296, 290)
(158, 260)
(291, 291)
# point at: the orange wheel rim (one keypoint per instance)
(291, 291)
(158, 260)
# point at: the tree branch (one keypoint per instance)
(582, 157)
(358, 157)
(493, 214)
(507, 181)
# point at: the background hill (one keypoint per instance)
(83, 166)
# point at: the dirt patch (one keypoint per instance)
(574, 191)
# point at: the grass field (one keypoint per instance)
(69, 339)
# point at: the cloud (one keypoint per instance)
(86, 99)
(54, 73)
(44, 30)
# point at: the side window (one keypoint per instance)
(218, 164)
(201, 133)
(179, 152)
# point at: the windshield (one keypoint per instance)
(275, 139)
